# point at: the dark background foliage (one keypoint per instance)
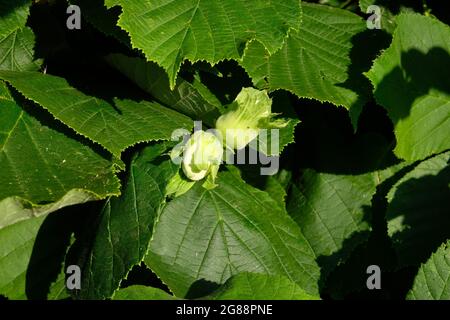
(324, 141)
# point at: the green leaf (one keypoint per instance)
(16, 40)
(271, 138)
(211, 235)
(115, 126)
(332, 210)
(418, 211)
(125, 225)
(314, 62)
(178, 185)
(58, 289)
(432, 282)
(274, 185)
(32, 256)
(283, 136)
(15, 252)
(14, 15)
(43, 169)
(275, 189)
(190, 98)
(252, 286)
(411, 81)
(169, 32)
(16, 51)
(243, 286)
(138, 292)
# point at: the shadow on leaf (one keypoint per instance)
(201, 288)
(418, 75)
(420, 218)
(49, 250)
